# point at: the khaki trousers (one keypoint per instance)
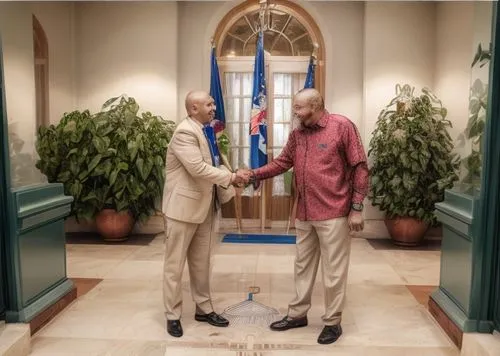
(194, 242)
(329, 240)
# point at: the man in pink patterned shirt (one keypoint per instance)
(331, 173)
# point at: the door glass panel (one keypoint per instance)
(469, 143)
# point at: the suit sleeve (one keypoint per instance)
(185, 147)
(224, 168)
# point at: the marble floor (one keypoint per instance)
(121, 311)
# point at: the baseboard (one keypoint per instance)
(45, 301)
(374, 228)
(452, 311)
(52, 311)
(447, 324)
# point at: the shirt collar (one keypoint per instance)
(320, 124)
(324, 119)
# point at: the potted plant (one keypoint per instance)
(111, 162)
(413, 163)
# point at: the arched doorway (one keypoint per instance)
(291, 37)
(41, 52)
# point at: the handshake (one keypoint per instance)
(243, 177)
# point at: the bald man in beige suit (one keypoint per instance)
(189, 203)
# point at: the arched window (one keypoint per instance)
(290, 38)
(286, 36)
(41, 52)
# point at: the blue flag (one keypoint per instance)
(310, 74)
(258, 120)
(219, 122)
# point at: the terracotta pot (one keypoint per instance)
(114, 226)
(406, 231)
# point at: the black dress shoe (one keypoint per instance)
(286, 323)
(212, 318)
(174, 328)
(330, 334)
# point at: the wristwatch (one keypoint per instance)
(357, 206)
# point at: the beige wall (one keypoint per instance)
(399, 48)
(127, 48)
(194, 46)
(57, 21)
(341, 24)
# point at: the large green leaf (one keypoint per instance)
(113, 176)
(122, 204)
(75, 188)
(73, 166)
(72, 152)
(123, 166)
(140, 166)
(99, 144)
(109, 102)
(69, 127)
(94, 162)
(405, 160)
(89, 196)
(133, 149)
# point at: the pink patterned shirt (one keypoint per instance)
(330, 168)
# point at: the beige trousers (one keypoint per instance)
(194, 242)
(329, 240)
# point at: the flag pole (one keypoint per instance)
(263, 195)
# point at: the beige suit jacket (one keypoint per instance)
(190, 176)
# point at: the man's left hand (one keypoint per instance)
(356, 221)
